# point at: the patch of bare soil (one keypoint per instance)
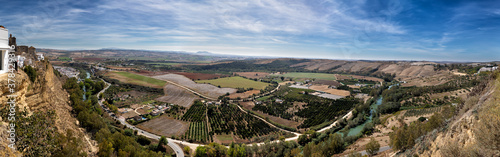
(165, 126)
(244, 94)
(200, 76)
(324, 88)
(177, 95)
(367, 78)
(205, 89)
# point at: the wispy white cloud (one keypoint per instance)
(340, 27)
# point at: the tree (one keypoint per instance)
(143, 140)
(163, 141)
(372, 147)
(302, 140)
(334, 145)
(200, 151)
(187, 150)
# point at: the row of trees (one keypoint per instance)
(198, 131)
(196, 113)
(228, 118)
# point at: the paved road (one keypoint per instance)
(348, 115)
(171, 142)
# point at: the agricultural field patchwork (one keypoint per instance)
(165, 126)
(225, 119)
(254, 75)
(177, 95)
(236, 82)
(322, 76)
(205, 89)
(244, 94)
(200, 76)
(136, 79)
(162, 63)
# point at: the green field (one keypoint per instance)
(264, 98)
(235, 82)
(322, 76)
(64, 58)
(131, 78)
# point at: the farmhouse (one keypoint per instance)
(279, 101)
(155, 112)
(137, 118)
(5, 48)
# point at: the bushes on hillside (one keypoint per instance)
(388, 107)
(404, 137)
(31, 72)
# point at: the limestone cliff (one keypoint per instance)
(44, 94)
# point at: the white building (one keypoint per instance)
(40, 56)
(5, 49)
(483, 69)
(20, 61)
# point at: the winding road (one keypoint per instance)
(171, 142)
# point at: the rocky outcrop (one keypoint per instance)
(45, 93)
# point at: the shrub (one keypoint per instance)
(372, 147)
(31, 72)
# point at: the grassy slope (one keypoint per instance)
(235, 82)
(322, 76)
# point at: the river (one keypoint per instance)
(356, 130)
(84, 90)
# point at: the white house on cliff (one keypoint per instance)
(5, 48)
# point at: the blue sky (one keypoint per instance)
(450, 30)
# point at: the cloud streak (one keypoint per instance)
(298, 28)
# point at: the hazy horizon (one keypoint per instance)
(351, 30)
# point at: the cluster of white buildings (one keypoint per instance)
(68, 71)
(8, 45)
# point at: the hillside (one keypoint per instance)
(38, 99)
(473, 131)
(399, 69)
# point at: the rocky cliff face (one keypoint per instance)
(44, 94)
